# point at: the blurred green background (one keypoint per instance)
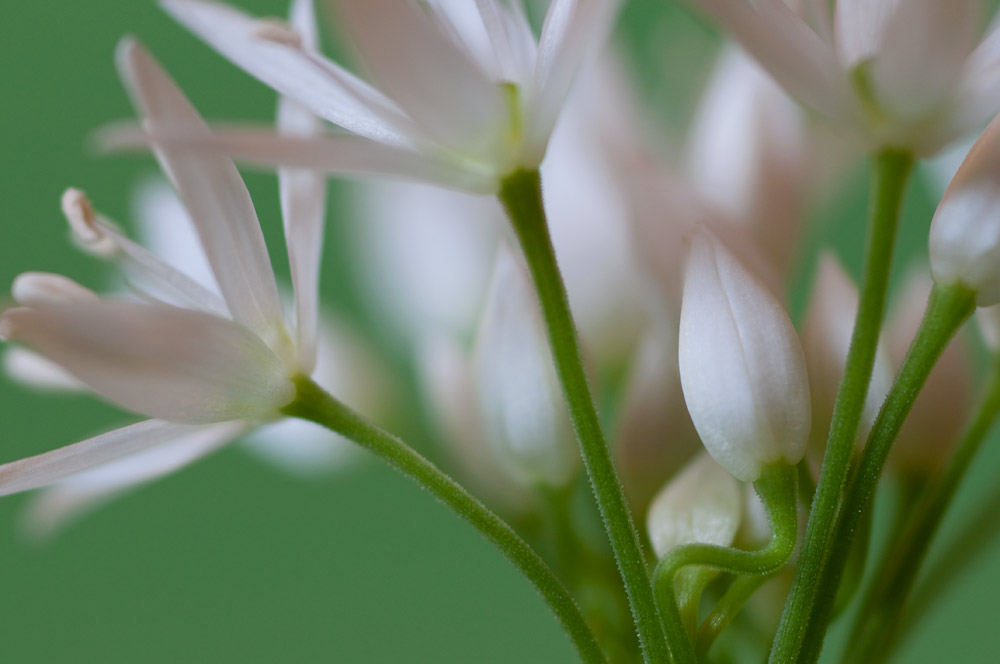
(231, 560)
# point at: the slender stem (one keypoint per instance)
(891, 172)
(726, 610)
(947, 310)
(521, 195)
(314, 404)
(777, 490)
(876, 627)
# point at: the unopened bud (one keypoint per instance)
(741, 365)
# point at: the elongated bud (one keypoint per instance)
(965, 233)
(742, 368)
(520, 401)
(826, 338)
(702, 504)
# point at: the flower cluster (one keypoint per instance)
(551, 270)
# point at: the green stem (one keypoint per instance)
(877, 624)
(777, 490)
(947, 310)
(314, 404)
(726, 610)
(891, 172)
(521, 195)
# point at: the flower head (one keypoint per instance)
(461, 93)
(207, 363)
(899, 74)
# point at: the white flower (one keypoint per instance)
(703, 504)
(463, 93)
(904, 74)
(206, 366)
(741, 365)
(965, 233)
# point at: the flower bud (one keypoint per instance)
(521, 403)
(702, 504)
(742, 369)
(965, 233)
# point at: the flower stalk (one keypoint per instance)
(316, 405)
(521, 196)
(891, 172)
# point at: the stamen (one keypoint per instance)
(277, 31)
(87, 227)
(31, 288)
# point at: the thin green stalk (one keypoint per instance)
(777, 490)
(521, 195)
(876, 627)
(890, 174)
(314, 404)
(947, 310)
(726, 610)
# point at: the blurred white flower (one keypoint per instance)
(742, 368)
(899, 74)
(965, 233)
(463, 93)
(208, 363)
(703, 504)
(826, 339)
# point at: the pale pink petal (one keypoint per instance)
(333, 154)
(860, 26)
(788, 48)
(573, 29)
(303, 209)
(297, 72)
(50, 467)
(923, 50)
(424, 71)
(77, 494)
(30, 369)
(30, 288)
(301, 447)
(174, 364)
(213, 193)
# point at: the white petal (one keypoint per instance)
(174, 364)
(32, 370)
(965, 233)
(784, 45)
(924, 48)
(303, 209)
(860, 27)
(323, 87)
(50, 467)
(520, 399)
(334, 154)
(30, 288)
(703, 504)
(741, 365)
(424, 71)
(70, 498)
(301, 447)
(572, 30)
(213, 193)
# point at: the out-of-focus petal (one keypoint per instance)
(168, 363)
(859, 28)
(213, 193)
(70, 498)
(323, 87)
(32, 370)
(301, 447)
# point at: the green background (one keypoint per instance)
(231, 560)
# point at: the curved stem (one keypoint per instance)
(891, 172)
(521, 195)
(726, 610)
(314, 404)
(947, 310)
(876, 627)
(777, 490)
